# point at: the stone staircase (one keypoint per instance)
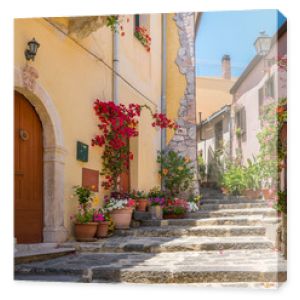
(224, 243)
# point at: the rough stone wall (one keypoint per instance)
(184, 140)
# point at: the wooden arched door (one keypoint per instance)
(28, 177)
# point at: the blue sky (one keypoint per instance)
(233, 33)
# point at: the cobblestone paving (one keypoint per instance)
(227, 248)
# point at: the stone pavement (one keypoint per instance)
(215, 247)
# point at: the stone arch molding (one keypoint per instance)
(54, 152)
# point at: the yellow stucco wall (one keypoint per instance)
(176, 82)
(74, 79)
(211, 94)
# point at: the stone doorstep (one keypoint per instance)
(159, 245)
(40, 253)
(175, 267)
(208, 231)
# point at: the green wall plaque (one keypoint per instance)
(82, 152)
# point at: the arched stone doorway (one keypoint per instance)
(54, 153)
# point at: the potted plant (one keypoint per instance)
(252, 179)
(142, 200)
(176, 171)
(156, 202)
(85, 228)
(103, 223)
(193, 202)
(120, 211)
(234, 179)
(175, 209)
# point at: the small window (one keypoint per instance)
(260, 101)
(240, 123)
(269, 87)
(219, 135)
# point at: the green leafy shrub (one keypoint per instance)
(234, 179)
(176, 172)
(253, 175)
(281, 204)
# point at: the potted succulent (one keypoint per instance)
(103, 223)
(85, 228)
(156, 201)
(175, 209)
(120, 210)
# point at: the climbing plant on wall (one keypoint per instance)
(118, 124)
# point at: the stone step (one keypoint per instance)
(267, 212)
(231, 201)
(38, 252)
(262, 265)
(235, 220)
(217, 206)
(178, 231)
(167, 244)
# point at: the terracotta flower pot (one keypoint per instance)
(122, 217)
(251, 194)
(85, 232)
(224, 191)
(156, 212)
(174, 216)
(102, 229)
(268, 194)
(142, 204)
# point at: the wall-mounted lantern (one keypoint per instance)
(31, 51)
(263, 44)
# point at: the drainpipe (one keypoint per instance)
(164, 78)
(115, 66)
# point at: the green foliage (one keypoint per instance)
(138, 195)
(112, 22)
(194, 199)
(201, 167)
(253, 175)
(84, 216)
(84, 212)
(215, 169)
(156, 192)
(272, 151)
(84, 195)
(234, 179)
(176, 172)
(281, 204)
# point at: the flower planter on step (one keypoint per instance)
(268, 194)
(102, 229)
(85, 232)
(251, 194)
(142, 204)
(156, 212)
(122, 217)
(174, 216)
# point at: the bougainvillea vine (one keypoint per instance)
(118, 124)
